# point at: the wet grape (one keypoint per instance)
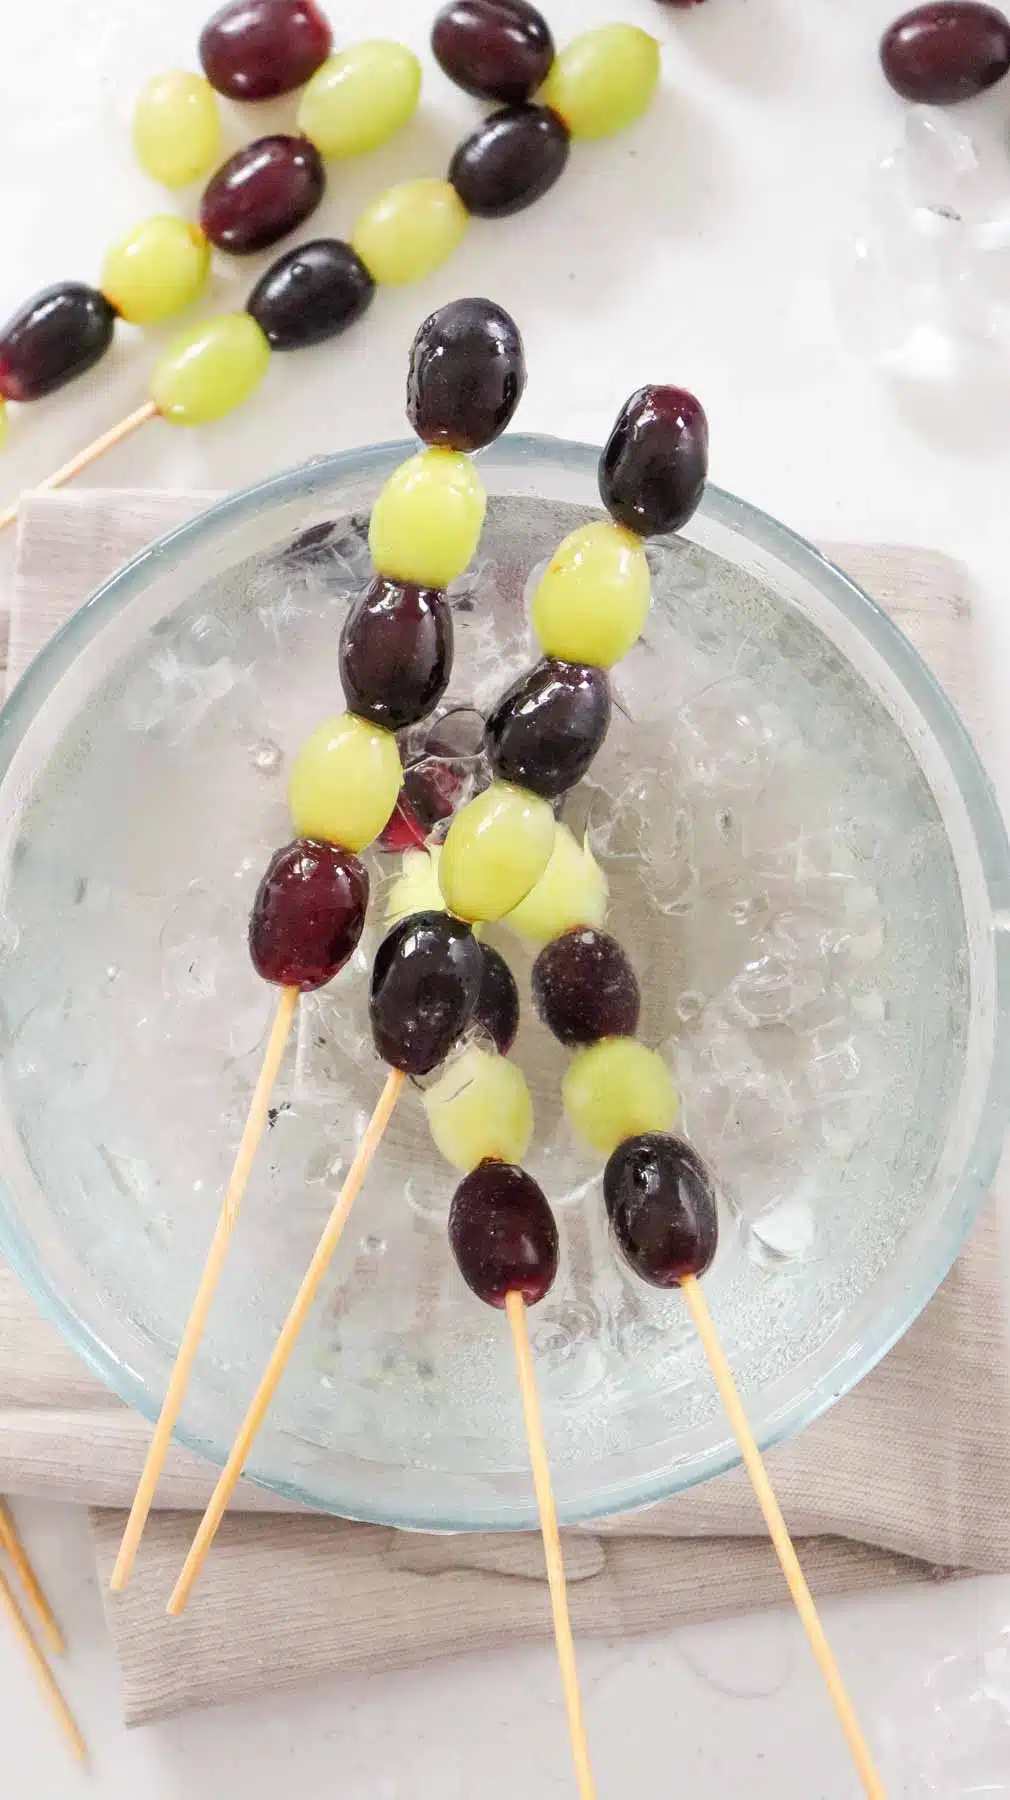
(308, 914)
(466, 376)
(662, 1208)
(548, 726)
(503, 1235)
(425, 985)
(396, 652)
(655, 462)
(497, 1010)
(585, 988)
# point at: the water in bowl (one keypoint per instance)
(777, 868)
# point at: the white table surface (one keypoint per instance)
(697, 250)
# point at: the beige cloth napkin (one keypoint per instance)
(904, 1480)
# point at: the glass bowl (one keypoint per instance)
(804, 856)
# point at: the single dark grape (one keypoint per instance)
(396, 652)
(498, 1001)
(946, 52)
(654, 464)
(308, 914)
(513, 158)
(548, 726)
(261, 193)
(425, 986)
(466, 376)
(256, 49)
(439, 771)
(311, 293)
(662, 1207)
(584, 987)
(503, 1235)
(495, 49)
(60, 333)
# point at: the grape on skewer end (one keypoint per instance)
(308, 914)
(503, 1235)
(655, 462)
(426, 982)
(662, 1208)
(467, 375)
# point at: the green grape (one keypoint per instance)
(571, 891)
(176, 128)
(416, 887)
(410, 229)
(427, 521)
(615, 1089)
(359, 99)
(156, 269)
(209, 369)
(480, 1107)
(497, 848)
(593, 598)
(345, 782)
(603, 80)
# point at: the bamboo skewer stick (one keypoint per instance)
(515, 1307)
(779, 1533)
(11, 1542)
(278, 1362)
(197, 1321)
(46, 1679)
(84, 458)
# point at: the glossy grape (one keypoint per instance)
(494, 49)
(497, 1010)
(466, 376)
(616, 1088)
(945, 52)
(662, 1207)
(261, 193)
(176, 128)
(396, 652)
(360, 98)
(593, 599)
(654, 464)
(425, 985)
(344, 782)
(480, 1107)
(408, 230)
(584, 988)
(548, 726)
(209, 370)
(510, 161)
(503, 1234)
(604, 80)
(427, 521)
(158, 269)
(571, 891)
(257, 49)
(440, 764)
(311, 293)
(497, 847)
(308, 914)
(59, 334)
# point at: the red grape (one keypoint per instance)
(513, 158)
(584, 987)
(945, 52)
(261, 193)
(495, 49)
(60, 333)
(466, 376)
(310, 294)
(256, 49)
(654, 465)
(548, 726)
(308, 914)
(662, 1208)
(503, 1235)
(425, 986)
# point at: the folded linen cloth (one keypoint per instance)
(903, 1480)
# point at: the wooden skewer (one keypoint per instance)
(278, 1362)
(90, 453)
(46, 1678)
(515, 1306)
(197, 1321)
(778, 1531)
(15, 1549)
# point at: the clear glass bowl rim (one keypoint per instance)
(937, 712)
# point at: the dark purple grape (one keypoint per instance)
(261, 193)
(308, 914)
(396, 652)
(945, 52)
(495, 49)
(439, 772)
(425, 985)
(510, 160)
(503, 1235)
(311, 293)
(548, 726)
(61, 333)
(467, 374)
(584, 987)
(256, 49)
(662, 1207)
(654, 465)
(497, 1009)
